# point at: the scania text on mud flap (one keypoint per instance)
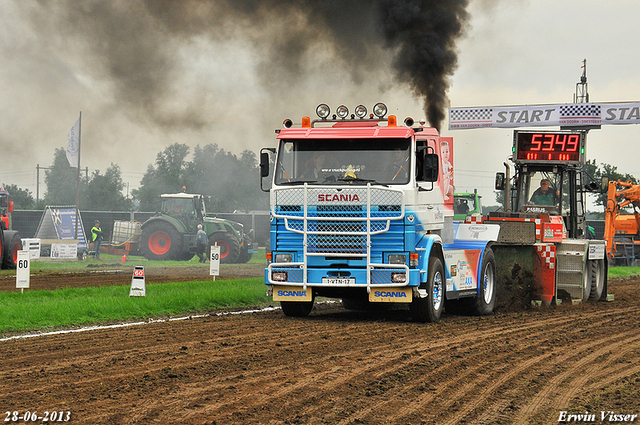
(361, 209)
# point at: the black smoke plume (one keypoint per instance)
(135, 44)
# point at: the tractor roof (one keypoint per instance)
(180, 195)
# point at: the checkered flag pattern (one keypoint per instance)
(579, 110)
(548, 253)
(471, 114)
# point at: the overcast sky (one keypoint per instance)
(142, 86)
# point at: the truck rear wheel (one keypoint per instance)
(429, 309)
(296, 308)
(229, 247)
(11, 254)
(483, 304)
(160, 241)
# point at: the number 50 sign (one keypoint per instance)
(214, 261)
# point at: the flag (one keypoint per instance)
(73, 147)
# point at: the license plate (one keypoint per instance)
(338, 280)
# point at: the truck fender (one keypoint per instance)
(427, 246)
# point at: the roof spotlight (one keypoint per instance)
(361, 111)
(323, 110)
(408, 122)
(287, 123)
(342, 111)
(380, 110)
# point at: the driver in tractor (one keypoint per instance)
(545, 195)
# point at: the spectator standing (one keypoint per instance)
(96, 238)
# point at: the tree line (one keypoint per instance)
(228, 182)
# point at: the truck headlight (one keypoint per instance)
(279, 276)
(323, 110)
(361, 111)
(398, 277)
(284, 258)
(397, 259)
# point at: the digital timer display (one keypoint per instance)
(549, 146)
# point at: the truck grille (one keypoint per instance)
(338, 221)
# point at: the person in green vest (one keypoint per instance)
(96, 238)
(544, 195)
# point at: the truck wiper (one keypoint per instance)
(359, 180)
(299, 181)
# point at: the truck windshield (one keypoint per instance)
(325, 161)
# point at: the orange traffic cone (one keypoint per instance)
(124, 258)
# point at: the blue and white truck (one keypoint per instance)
(361, 209)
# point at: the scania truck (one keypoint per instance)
(361, 209)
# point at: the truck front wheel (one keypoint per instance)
(429, 309)
(296, 308)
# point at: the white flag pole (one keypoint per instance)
(78, 175)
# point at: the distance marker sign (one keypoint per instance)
(23, 270)
(214, 261)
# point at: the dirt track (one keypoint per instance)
(338, 367)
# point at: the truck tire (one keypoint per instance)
(10, 257)
(597, 275)
(160, 241)
(245, 256)
(229, 247)
(296, 308)
(483, 304)
(429, 309)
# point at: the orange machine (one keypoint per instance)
(620, 195)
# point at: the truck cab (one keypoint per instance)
(362, 209)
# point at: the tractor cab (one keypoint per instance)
(6, 208)
(549, 179)
(186, 208)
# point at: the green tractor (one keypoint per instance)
(171, 233)
(465, 204)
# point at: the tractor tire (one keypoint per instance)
(597, 277)
(296, 308)
(160, 241)
(10, 257)
(429, 309)
(229, 247)
(245, 256)
(1, 247)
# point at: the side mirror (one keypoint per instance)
(10, 208)
(500, 181)
(430, 167)
(264, 164)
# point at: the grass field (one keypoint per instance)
(90, 305)
(49, 309)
